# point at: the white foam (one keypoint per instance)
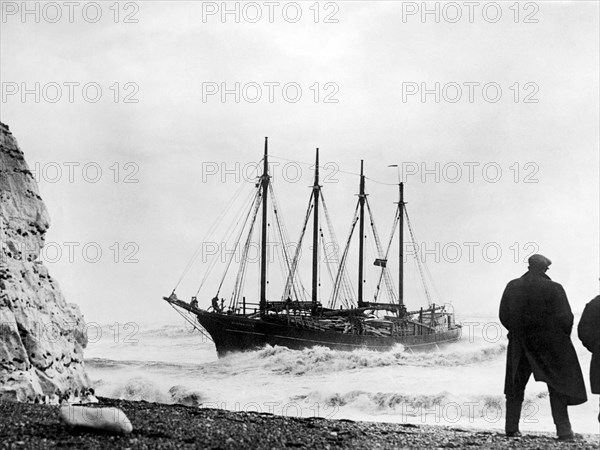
(460, 385)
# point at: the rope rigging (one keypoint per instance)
(417, 259)
(297, 286)
(209, 234)
(226, 237)
(389, 245)
(336, 286)
(192, 323)
(384, 273)
(343, 290)
(241, 275)
(346, 285)
(237, 241)
(290, 278)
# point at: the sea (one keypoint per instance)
(459, 385)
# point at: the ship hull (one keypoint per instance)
(238, 333)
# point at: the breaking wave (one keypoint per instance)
(321, 360)
(459, 384)
(140, 388)
(317, 360)
(444, 404)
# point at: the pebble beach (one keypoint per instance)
(34, 426)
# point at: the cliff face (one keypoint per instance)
(42, 337)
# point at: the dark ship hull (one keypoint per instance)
(234, 333)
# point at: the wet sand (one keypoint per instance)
(175, 426)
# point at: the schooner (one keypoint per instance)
(297, 323)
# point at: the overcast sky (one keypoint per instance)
(525, 122)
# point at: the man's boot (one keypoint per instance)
(558, 404)
(513, 415)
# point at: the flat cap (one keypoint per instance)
(539, 261)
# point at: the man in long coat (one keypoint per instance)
(536, 312)
(589, 333)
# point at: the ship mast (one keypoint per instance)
(315, 261)
(401, 244)
(361, 200)
(264, 181)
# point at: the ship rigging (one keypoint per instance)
(299, 319)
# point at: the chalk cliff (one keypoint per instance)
(42, 337)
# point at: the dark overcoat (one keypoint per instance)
(589, 333)
(536, 312)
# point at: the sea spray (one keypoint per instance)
(184, 396)
(324, 360)
(459, 385)
(139, 388)
(426, 407)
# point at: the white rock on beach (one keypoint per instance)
(109, 420)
